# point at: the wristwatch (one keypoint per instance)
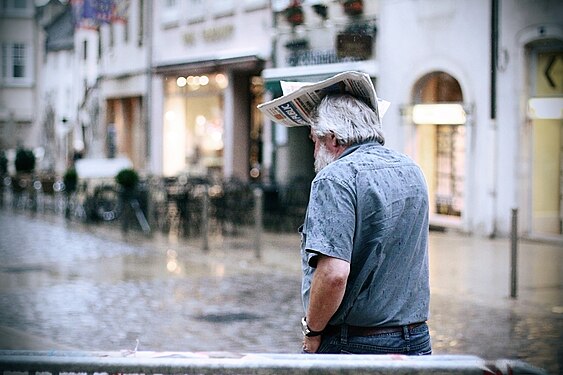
(307, 331)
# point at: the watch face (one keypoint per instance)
(304, 327)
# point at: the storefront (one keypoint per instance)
(440, 130)
(209, 126)
(545, 121)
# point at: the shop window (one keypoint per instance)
(450, 152)
(193, 124)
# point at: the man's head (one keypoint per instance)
(340, 121)
(348, 118)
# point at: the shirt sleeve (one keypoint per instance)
(330, 221)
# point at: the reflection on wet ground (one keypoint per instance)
(88, 289)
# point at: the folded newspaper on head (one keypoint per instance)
(299, 99)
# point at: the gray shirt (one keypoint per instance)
(370, 208)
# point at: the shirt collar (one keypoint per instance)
(353, 147)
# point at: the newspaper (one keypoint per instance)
(299, 99)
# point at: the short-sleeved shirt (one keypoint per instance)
(370, 208)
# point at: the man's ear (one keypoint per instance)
(333, 140)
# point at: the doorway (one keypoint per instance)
(439, 118)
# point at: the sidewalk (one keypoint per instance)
(74, 266)
(472, 311)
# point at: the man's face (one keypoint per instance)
(323, 156)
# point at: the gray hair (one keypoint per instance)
(348, 118)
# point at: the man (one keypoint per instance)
(364, 240)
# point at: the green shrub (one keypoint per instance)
(70, 179)
(127, 178)
(3, 163)
(25, 160)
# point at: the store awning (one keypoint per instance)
(313, 73)
(207, 64)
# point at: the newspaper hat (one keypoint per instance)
(299, 99)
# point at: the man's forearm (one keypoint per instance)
(327, 290)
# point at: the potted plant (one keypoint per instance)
(294, 13)
(70, 180)
(353, 7)
(3, 163)
(24, 164)
(127, 179)
(25, 161)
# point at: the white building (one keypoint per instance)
(18, 43)
(491, 154)
(469, 84)
(207, 57)
(124, 84)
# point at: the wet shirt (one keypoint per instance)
(370, 208)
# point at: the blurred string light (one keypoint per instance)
(195, 82)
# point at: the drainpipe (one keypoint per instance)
(148, 102)
(493, 109)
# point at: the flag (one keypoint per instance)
(91, 13)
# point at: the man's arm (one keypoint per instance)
(327, 290)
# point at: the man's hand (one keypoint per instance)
(311, 344)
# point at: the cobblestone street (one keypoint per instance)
(69, 286)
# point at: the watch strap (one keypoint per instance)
(307, 331)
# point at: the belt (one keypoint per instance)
(369, 331)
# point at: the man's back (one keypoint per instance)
(381, 208)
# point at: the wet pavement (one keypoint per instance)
(64, 285)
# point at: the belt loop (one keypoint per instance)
(406, 333)
(344, 334)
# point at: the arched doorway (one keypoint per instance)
(439, 119)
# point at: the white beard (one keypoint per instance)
(324, 158)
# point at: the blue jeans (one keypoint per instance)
(415, 341)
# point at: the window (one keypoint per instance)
(17, 8)
(197, 11)
(18, 60)
(170, 13)
(15, 63)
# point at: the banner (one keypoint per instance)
(90, 14)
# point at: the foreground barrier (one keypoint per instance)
(130, 362)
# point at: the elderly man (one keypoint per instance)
(364, 240)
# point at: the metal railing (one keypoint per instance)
(131, 362)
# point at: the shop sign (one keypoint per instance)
(354, 45)
(216, 34)
(301, 58)
(189, 38)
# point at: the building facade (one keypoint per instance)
(313, 40)
(18, 75)
(463, 77)
(206, 63)
(123, 84)
(475, 90)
